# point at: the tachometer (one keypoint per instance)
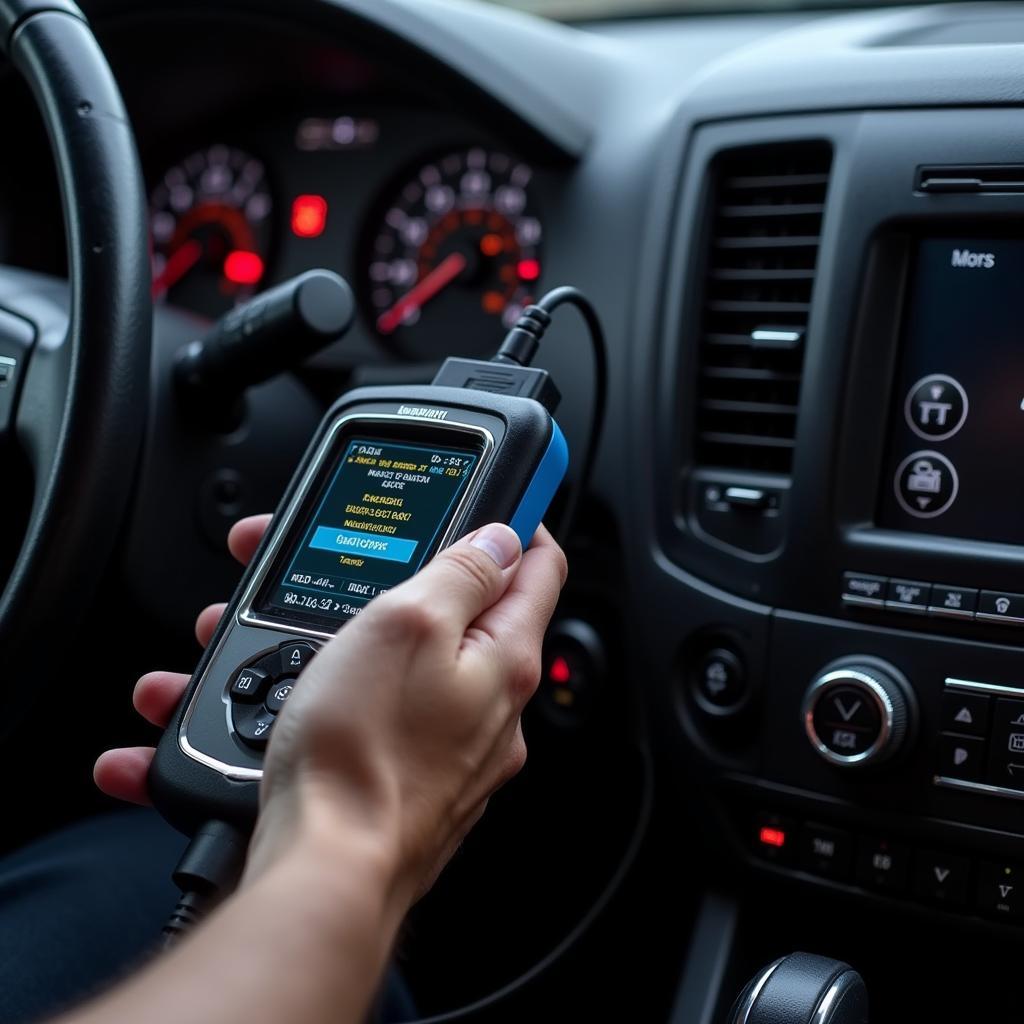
(456, 257)
(210, 219)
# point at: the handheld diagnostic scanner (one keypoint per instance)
(393, 475)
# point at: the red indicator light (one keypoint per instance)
(772, 837)
(242, 267)
(309, 216)
(491, 245)
(560, 671)
(528, 270)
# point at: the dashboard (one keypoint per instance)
(362, 173)
(798, 580)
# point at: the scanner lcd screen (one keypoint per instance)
(380, 515)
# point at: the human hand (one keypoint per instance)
(122, 773)
(409, 758)
(406, 722)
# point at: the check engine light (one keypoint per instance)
(309, 216)
(774, 837)
(242, 267)
(528, 270)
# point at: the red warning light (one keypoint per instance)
(772, 837)
(560, 672)
(242, 267)
(309, 216)
(528, 270)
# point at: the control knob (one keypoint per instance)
(858, 712)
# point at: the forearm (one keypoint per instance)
(306, 942)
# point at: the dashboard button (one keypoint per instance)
(997, 606)
(926, 484)
(249, 685)
(908, 595)
(961, 757)
(882, 864)
(941, 878)
(1001, 890)
(936, 407)
(826, 851)
(865, 590)
(1006, 764)
(965, 713)
(720, 682)
(574, 667)
(775, 838)
(953, 602)
(846, 721)
(857, 714)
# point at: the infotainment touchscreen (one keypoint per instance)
(957, 424)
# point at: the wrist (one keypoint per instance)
(342, 856)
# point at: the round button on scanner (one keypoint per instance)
(936, 407)
(296, 656)
(926, 484)
(279, 693)
(254, 728)
(720, 682)
(856, 714)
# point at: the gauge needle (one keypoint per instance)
(416, 298)
(181, 261)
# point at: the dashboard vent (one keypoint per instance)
(767, 206)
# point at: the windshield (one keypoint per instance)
(569, 10)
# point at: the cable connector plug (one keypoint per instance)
(208, 871)
(521, 343)
(500, 378)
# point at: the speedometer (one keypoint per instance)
(210, 219)
(455, 256)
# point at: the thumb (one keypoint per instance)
(467, 578)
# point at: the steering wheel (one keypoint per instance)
(73, 378)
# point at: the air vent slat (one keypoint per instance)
(767, 242)
(748, 440)
(747, 373)
(773, 210)
(768, 204)
(758, 274)
(761, 408)
(753, 306)
(788, 181)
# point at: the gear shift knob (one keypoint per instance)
(803, 989)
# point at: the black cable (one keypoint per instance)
(208, 871)
(598, 907)
(520, 346)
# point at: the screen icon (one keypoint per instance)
(924, 478)
(936, 407)
(926, 484)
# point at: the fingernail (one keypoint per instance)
(500, 542)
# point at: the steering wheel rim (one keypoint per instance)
(79, 400)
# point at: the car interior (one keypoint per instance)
(776, 763)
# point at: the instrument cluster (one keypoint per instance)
(439, 231)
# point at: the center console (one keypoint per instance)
(838, 598)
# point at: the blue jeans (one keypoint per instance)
(83, 908)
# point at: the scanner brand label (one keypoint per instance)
(423, 412)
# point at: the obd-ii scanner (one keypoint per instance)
(392, 476)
